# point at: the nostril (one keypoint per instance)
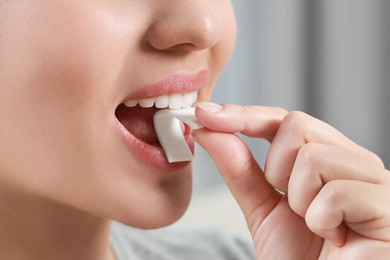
(185, 33)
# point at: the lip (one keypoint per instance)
(175, 83)
(152, 156)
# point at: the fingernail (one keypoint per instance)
(209, 107)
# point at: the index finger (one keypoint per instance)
(252, 121)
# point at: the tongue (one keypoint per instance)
(139, 122)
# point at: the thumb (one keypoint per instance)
(242, 174)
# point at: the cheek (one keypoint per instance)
(222, 51)
(56, 117)
(54, 81)
(66, 49)
(59, 68)
(49, 79)
(228, 41)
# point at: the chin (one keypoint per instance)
(154, 218)
(156, 208)
(163, 222)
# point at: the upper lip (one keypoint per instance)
(174, 83)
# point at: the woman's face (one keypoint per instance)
(67, 67)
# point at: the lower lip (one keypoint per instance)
(151, 155)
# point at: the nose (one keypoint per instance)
(187, 25)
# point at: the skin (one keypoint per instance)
(65, 67)
(336, 193)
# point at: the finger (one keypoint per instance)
(360, 206)
(317, 164)
(242, 174)
(253, 121)
(297, 129)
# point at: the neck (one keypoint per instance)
(33, 228)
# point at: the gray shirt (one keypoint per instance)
(173, 244)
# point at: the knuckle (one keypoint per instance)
(295, 202)
(295, 116)
(326, 206)
(293, 122)
(309, 160)
(332, 194)
(377, 160)
(247, 166)
(309, 154)
(276, 178)
(280, 111)
(303, 174)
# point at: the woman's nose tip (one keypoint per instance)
(196, 30)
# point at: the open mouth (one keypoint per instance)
(137, 115)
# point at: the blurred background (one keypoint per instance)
(328, 58)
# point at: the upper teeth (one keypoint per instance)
(173, 101)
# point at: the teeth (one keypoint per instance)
(131, 103)
(189, 99)
(148, 102)
(162, 101)
(173, 101)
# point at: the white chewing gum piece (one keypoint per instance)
(169, 132)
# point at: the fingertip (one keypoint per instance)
(338, 237)
(208, 107)
(219, 118)
(211, 115)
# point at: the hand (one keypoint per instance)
(335, 195)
